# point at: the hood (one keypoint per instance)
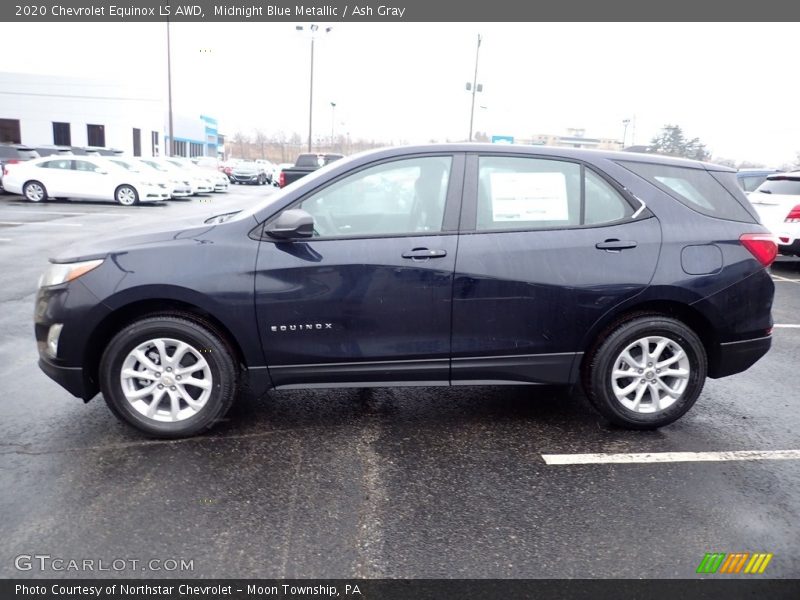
(176, 231)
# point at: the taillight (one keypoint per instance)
(794, 215)
(761, 245)
(282, 179)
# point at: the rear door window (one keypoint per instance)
(696, 188)
(538, 193)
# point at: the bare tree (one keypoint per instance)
(240, 140)
(261, 142)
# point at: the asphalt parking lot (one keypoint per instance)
(411, 482)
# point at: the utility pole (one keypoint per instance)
(171, 144)
(311, 90)
(333, 121)
(474, 87)
(312, 30)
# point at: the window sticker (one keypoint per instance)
(529, 197)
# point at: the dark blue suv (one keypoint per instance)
(471, 264)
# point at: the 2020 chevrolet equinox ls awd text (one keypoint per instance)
(637, 275)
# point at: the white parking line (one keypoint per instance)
(5, 239)
(661, 457)
(43, 212)
(786, 279)
(787, 326)
(53, 212)
(57, 224)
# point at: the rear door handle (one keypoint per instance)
(615, 244)
(423, 253)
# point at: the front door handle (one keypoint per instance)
(616, 245)
(423, 253)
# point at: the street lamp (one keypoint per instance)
(474, 87)
(171, 145)
(625, 122)
(333, 121)
(312, 29)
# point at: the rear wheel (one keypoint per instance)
(168, 376)
(34, 191)
(126, 195)
(647, 373)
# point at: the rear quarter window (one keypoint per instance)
(698, 189)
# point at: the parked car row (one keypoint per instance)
(126, 180)
(252, 172)
(305, 164)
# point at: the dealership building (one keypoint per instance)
(43, 110)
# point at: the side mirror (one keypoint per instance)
(292, 224)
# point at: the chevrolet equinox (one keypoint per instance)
(636, 275)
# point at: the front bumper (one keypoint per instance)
(735, 357)
(245, 178)
(70, 378)
(181, 191)
(78, 310)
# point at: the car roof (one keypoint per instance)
(553, 151)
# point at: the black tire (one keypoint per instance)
(126, 195)
(201, 336)
(34, 191)
(597, 372)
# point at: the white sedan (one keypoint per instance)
(179, 183)
(203, 181)
(777, 202)
(89, 177)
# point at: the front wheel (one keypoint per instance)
(646, 373)
(126, 195)
(168, 376)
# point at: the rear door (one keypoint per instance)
(368, 299)
(548, 247)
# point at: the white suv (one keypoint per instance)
(777, 202)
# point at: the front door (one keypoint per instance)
(368, 298)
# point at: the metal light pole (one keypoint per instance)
(333, 121)
(313, 28)
(474, 87)
(169, 146)
(625, 123)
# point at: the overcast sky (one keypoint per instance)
(731, 85)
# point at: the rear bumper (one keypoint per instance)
(792, 248)
(735, 357)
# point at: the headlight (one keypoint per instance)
(62, 273)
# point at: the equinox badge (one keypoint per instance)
(301, 327)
